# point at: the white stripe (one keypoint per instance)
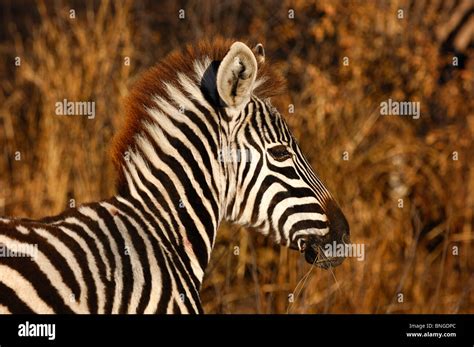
(53, 275)
(137, 269)
(117, 275)
(200, 67)
(93, 235)
(24, 290)
(139, 164)
(197, 270)
(155, 272)
(93, 267)
(22, 230)
(4, 309)
(186, 289)
(156, 278)
(174, 290)
(72, 263)
(165, 122)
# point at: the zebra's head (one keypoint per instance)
(271, 186)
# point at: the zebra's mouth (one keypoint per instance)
(315, 255)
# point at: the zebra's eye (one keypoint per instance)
(279, 152)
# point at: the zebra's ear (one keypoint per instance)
(236, 75)
(259, 53)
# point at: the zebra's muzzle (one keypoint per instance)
(315, 255)
(320, 250)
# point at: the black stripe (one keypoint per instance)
(75, 248)
(307, 224)
(14, 304)
(255, 175)
(139, 249)
(91, 244)
(127, 274)
(310, 208)
(32, 273)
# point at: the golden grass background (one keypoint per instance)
(409, 250)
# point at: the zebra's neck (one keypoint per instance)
(173, 171)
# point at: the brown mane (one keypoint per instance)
(151, 83)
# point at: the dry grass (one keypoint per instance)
(408, 250)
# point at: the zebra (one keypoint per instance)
(145, 249)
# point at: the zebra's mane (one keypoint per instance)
(153, 83)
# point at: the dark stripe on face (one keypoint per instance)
(307, 224)
(287, 171)
(270, 126)
(259, 124)
(288, 192)
(252, 182)
(308, 176)
(243, 166)
(247, 111)
(279, 197)
(307, 208)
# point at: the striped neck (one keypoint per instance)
(173, 172)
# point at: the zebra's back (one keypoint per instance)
(103, 257)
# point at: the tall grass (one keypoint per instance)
(409, 250)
